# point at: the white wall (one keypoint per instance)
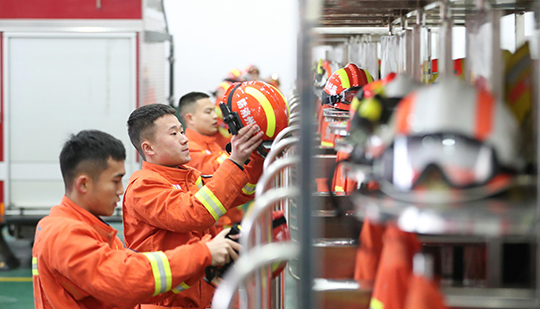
(213, 37)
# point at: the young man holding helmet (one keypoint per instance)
(167, 204)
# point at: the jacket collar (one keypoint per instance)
(176, 175)
(192, 134)
(81, 214)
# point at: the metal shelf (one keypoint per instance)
(339, 128)
(467, 297)
(455, 297)
(507, 214)
(364, 14)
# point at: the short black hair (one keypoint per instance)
(187, 100)
(141, 123)
(88, 152)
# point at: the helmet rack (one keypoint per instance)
(335, 30)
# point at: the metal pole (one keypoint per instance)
(309, 13)
(537, 96)
(497, 68)
(445, 41)
(416, 52)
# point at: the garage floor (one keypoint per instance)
(16, 290)
(16, 285)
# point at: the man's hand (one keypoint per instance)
(245, 142)
(223, 249)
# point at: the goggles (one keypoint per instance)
(460, 161)
(345, 97)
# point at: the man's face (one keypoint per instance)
(104, 192)
(170, 145)
(204, 120)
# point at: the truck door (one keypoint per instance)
(57, 84)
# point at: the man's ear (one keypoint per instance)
(188, 119)
(147, 149)
(82, 183)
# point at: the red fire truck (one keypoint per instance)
(66, 66)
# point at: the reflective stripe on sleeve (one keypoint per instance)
(249, 188)
(198, 182)
(161, 270)
(222, 158)
(34, 267)
(339, 189)
(376, 304)
(327, 144)
(210, 202)
(181, 287)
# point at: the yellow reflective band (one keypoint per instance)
(327, 144)
(222, 158)
(198, 182)
(319, 67)
(224, 132)
(376, 304)
(34, 267)
(249, 188)
(345, 83)
(181, 287)
(369, 77)
(161, 271)
(218, 112)
(268, 110)
(339, 189)
(240, 227)
(210, 202)
(225, 86)
(284, 100)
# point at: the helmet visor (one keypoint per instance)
(461, 161)
(348, 95)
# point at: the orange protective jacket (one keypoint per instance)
(341, 183)
(369, 251)
(207, 156)
(423, 294)
(78, 262)
(395, 269)
(165, 207)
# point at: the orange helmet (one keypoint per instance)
(274, 80)
(258, 103)
(342, 86)
(234, 76)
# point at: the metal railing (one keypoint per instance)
(273, 192)
(248, 263)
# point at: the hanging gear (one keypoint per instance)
(259, 103)
(280, 232)
(375, 104)
(453, 132)
(343, 85)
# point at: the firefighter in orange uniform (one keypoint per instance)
(198, 114)
(168, 204)
(77, 260)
